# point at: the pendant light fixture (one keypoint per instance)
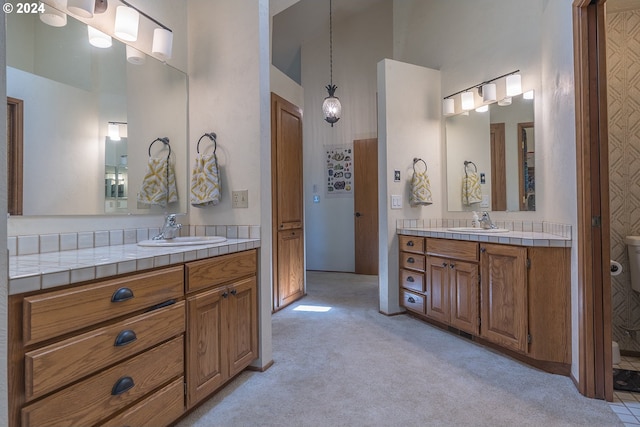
(331, 107)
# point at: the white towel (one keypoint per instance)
(471, 191)
(159, 183)
(420, 189)
(205, 181)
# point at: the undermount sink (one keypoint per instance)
(478, 230)
(184, 241)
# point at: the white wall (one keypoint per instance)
(409, 126)
(4, 286)
(229, 95)
(358, 45)
(286, 88)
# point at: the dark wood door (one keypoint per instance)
(365, 195)
(498, 168)
(287, 202)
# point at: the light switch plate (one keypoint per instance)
(240, 199)
(396, 201)
(396, 176)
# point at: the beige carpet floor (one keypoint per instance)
(352, 366)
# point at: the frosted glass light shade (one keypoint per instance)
(514, 85)
(467, 100)
(448, 106)
(98, 39)
(82, 8)
(489, 93)
(162, 43)
(528, 95)
(505, 101)
(134, 56)
(114, 131)
(52, 16)
(126, 25)
(482, 109)
(331, 108)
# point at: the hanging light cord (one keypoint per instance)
(330, 45)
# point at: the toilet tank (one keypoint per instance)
(633, 249)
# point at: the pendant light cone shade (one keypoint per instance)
(134, 56)
(52, 16)
(98, 39)
(448, 106)
(489, 93)
(331, 107)
(162, 43)
(514, 85)
(467, 101)
(114, 131)
(126, 25)
(82, 8)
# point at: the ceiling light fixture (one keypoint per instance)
(126, 25)
(134, 56)
(82, 8)
(331, 107)
(98, 39)
(487, 90)
(53, 15)
(162, 44)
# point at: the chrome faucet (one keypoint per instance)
(170, 228)
(485, 221)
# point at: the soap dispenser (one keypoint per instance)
(475, 221)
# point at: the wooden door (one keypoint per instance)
(503, 291)
(464, 303)
(437, 270)
(498, 169)
(206, 364)
(365, 201)
(242, 316)
(526, 171)
(287, 202)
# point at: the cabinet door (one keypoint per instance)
(463, 287)
(504, 295)
(241, 311)
(206, 367)
(437, 289)
(290, 268)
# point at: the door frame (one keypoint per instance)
(592, 167)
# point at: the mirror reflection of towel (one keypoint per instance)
(471, 191)
(205, 181)
(420, 189)
(159, 183)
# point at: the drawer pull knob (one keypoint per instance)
(452, 265)
(410, 243)
(410, 260)
(411, 299)
(123, 385)
(122, 294)
(225, 294)
(234, 292)
(410, 279)
(444, 264)
(125, 337)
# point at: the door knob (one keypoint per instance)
(358, 214)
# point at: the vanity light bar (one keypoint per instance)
(512, 77)
(145, 15)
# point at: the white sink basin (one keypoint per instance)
(184, 241)
(478, 230)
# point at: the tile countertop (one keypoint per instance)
(517, 238)
(47, 270)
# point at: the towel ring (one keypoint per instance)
(164, 140)
(416, 160)
(212, 137)
(467, 162)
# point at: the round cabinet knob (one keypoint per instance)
(410, 260)
(358, 214)
(411, 300)
(444, 264)
(410, 279)
(452, 265)
(410, 243)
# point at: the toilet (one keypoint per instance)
(633, 249)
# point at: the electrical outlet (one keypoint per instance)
(240, 199)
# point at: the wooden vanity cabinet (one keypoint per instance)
(412, 280)
(222, 322)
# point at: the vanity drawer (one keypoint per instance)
(458, 249)
(215, 271)
(157, 410)
(413, 302)
(55, 313)
(96, 398)
(411, 244)
(412, 280)
(54, 366)
(412, 261)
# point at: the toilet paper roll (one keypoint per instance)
(616, 268)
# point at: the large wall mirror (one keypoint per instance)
(71, 92)
(496, 147)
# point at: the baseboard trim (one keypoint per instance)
(260, 368)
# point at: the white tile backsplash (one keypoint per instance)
(49, 243)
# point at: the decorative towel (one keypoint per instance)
(420, 189)
(159, 183)
(471, 191)
(205, 181)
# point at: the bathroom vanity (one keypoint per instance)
(138, 348)
(506, 292)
